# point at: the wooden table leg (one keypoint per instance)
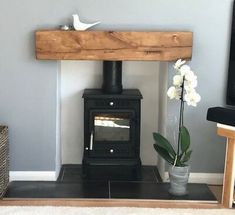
(228, 184)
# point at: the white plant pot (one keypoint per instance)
(178, 180)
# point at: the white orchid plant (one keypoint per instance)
(183, 89)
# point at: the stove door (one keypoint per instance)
(112, 133)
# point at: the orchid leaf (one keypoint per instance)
(185, 139)
(163, 153)
(187, 156)
(164, 143)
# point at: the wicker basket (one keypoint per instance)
(4, 159)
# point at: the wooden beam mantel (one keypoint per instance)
(113, 45)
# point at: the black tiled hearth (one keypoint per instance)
(71, 184)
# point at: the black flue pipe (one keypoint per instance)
(112, 77)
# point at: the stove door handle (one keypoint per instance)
(91, 141)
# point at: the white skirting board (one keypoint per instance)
(32, 176)
(204, 178)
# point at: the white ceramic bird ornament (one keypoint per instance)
(80, 26)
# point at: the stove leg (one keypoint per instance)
(137, 172)
(84, 169)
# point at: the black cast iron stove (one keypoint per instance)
(112, 123)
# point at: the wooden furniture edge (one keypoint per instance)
(229, 164)
(226, 132)
(111, 203)
(228, 188)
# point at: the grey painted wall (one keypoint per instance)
(28, 87)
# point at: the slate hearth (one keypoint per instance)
(71, 184)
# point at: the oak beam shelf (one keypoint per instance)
(113, 45)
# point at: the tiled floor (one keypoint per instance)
(106, 184)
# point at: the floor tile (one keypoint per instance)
(37, 189)
(148, 190)
(73, 173)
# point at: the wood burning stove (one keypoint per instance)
(112, 127)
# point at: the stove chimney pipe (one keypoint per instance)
(112, 77)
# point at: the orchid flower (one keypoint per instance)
(183, 89)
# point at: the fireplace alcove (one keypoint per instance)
(135, 75)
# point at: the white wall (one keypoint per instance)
(78, 75)
(75, 77)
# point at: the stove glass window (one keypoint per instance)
(112, 126)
